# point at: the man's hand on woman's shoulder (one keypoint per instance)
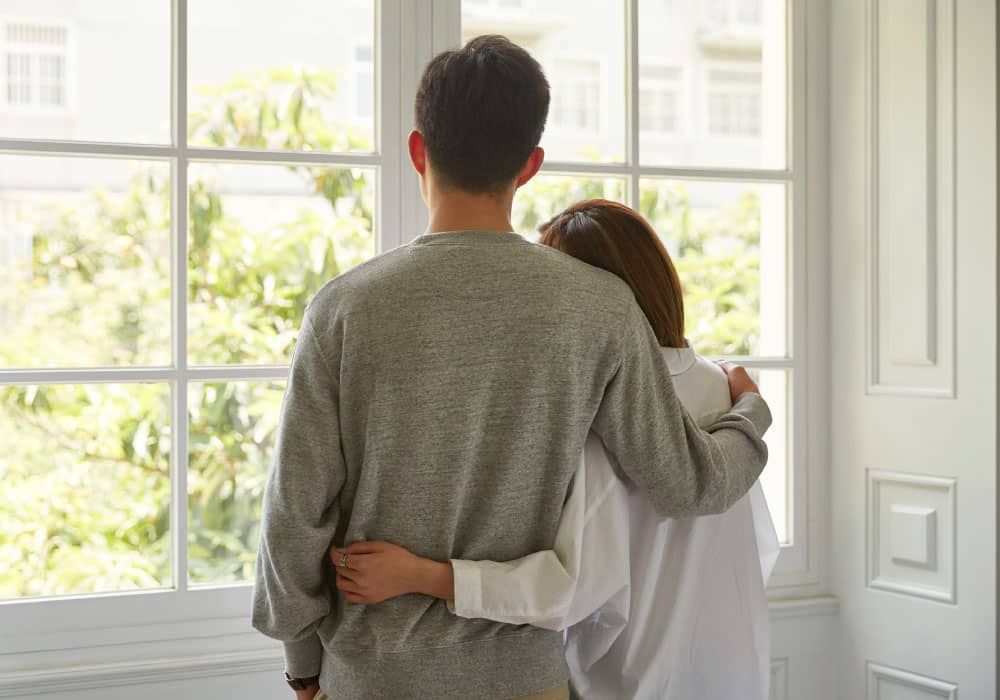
(739, 380)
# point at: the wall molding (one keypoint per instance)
(818, 606)
(877, 674)
(779, 679)
(910, 284)
(109, 675)
(938, 582)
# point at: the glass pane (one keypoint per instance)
(712, 83)
(546, 195)
(84, 262)
(581, 46)
(232, 432)
(728, 243)
(87, 71)
(263, 240)
(84, 506)
(298, 77)
(775, 387)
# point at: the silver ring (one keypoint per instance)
(343, 561)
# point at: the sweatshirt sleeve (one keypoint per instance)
(684, 470)
(292, 593)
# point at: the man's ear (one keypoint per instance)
(418, 152)
(531, 166)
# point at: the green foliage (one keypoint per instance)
(544, 196)
(717, 255)
(86, 482)
(86, 504)
(86, 498)
(284, 108)
(232, 430)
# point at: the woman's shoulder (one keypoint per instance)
(703, 388)
(708, 370)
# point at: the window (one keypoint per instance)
(158, 244)
(734, 102)
(730, 87)
(86, 75)
(18, 78)
(36, 65)
(139, 396)
(719, 195)
(660, 100)
(576, 95)
(584, 61)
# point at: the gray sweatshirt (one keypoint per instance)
(439, 398)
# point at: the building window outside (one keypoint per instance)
(36, 57)
(576, 95)
(734, 14)
(660, 95)
(734, 102)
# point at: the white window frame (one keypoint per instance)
(69, 58)
(169, 623)
(185, 611)
(798, 571)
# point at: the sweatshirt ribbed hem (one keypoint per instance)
(496, 668)
(755, 409)
(303, 658)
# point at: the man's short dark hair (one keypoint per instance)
(481, 110)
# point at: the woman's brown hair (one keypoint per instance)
(615, 238)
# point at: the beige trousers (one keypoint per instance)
(560, 693)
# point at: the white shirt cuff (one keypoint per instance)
(468, 589)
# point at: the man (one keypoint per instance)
(439, 399)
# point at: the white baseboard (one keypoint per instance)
(143, 672)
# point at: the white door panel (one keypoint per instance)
(913, 298)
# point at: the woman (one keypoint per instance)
(652, 608)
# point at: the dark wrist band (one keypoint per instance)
(300, 683)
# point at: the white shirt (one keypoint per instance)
(666, 609)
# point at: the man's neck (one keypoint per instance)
(461, 211)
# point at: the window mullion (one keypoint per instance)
(178, 290)
(247, 155)
(13, 377)
(389, 136)
(632, 98)
(678, 173)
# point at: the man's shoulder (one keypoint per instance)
(347, 285)
(584, 276)
(370, 280)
